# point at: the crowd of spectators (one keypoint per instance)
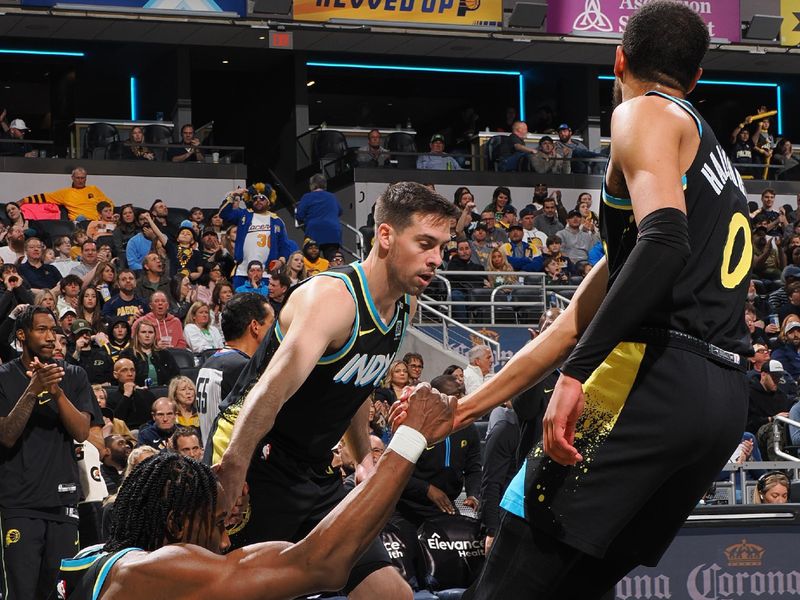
(757, 154)
(772, 314)
(143, 304)
(495, 247)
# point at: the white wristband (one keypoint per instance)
(408, 443)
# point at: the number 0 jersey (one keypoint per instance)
(708, 298)
(314, 419)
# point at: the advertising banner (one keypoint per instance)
(488, 13)
(607, 18)
(720, 564)
(206, 6)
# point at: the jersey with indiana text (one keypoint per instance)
(314, 419)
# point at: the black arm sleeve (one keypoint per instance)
(660, 254)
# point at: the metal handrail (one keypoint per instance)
(777, 434)
(359, 252)
(540, 285)
(446, 320)
(449, 287)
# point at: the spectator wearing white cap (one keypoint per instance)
(15, 130)
(767, 401)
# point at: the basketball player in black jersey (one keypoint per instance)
(308, 383)
(652, 399)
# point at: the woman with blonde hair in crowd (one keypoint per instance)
(200, 334)
(45, 298)
(396, 379)
(498, 261)
(183, 393)
(154, 367)
(295, 267)
(772, 488)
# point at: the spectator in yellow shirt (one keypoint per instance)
(79, 200)
(313, 261)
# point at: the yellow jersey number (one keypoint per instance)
(732, 275)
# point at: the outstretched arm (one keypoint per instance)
(321, 561)
(540, 356)
(306, 339)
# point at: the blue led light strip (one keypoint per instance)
(41, 52)
(134, 103)
(778, 93)
(517, 74)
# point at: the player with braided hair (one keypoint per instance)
(167, 490)
(169, 528)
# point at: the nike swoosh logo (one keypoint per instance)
(365, 331)
(546, 391)
(45, 400)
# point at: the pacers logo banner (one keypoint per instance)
(488, 13)
(608, 18)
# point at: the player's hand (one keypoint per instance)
(428, 411)
(472, 502)
(440, 499)
(232, 480)
(239, 508)
(566, 405)
(44, 377)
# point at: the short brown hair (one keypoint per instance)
(397, 205)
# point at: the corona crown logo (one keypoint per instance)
(744, 555)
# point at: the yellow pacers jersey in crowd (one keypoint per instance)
(78, 202)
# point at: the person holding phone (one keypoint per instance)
(190, 152)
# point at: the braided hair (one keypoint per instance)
(164, 487)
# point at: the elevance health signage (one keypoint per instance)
(609, 17)
(209, 6)
(487, 13)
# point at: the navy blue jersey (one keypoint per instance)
(314, 419)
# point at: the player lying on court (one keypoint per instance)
(168, 532)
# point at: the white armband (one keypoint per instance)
(408, 443)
